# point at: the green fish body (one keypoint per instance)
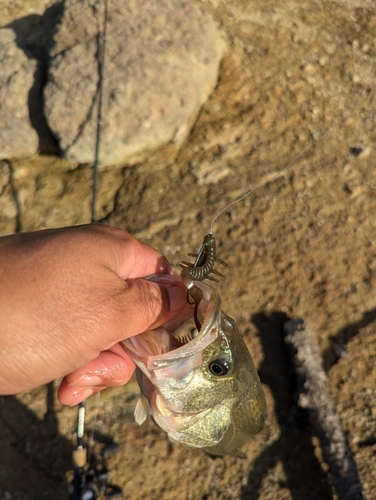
(202, 387)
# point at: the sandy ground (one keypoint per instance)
(303, 245)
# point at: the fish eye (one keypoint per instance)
(219, 367)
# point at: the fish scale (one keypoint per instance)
(206, 393)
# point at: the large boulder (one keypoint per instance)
(18, 139)
(161, 64)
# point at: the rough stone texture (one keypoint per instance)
(17, 137)
(16, 9)
(305, 245)
(8, 207)
(49, 193)
(162, 60)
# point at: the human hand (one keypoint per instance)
(67, 298)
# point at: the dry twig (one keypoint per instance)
(315, 397)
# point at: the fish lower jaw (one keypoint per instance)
(172, 422)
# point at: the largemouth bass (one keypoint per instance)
(198, 377)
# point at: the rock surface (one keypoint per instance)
(161, 64)
(18, 139)
(11, 10)
(304, 245)
(8, 207)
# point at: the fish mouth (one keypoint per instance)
(179, 338)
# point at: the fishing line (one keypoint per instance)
(294, 160)
(101, 60)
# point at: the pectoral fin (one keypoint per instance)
(238, 453)
(142, 410)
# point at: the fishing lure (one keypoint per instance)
(200, 270)
(205, 261)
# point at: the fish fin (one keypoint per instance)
(142, 410)
(238, 453)
(213, 457)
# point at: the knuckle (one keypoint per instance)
(152, 299)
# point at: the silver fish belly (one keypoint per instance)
(200, 383)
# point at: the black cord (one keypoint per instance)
(82, 484)
(101, 60)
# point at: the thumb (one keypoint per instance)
(148, 304)
(144, 305)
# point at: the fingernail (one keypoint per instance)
(83, 394)
(87, 380)
(178, 298)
